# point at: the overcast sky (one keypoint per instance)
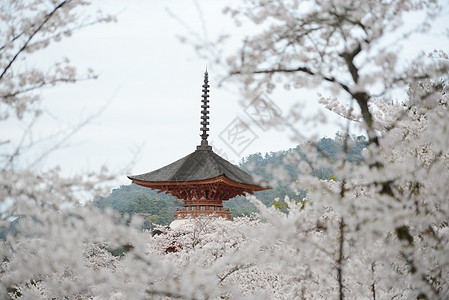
(149, 91)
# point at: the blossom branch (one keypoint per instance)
(38, 29)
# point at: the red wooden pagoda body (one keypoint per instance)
(202, 179)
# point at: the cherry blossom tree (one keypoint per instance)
(377, 229)
(64, 249)
(382, 224)
(44, 203)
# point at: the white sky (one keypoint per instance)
(151, 86)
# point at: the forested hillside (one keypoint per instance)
(132, 198)
(159, 208)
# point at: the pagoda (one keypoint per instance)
(202, 179)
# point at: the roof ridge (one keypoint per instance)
(215, 165)
(231, 168)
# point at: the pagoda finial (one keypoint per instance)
(205, 114)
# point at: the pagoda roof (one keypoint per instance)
(198, 166)
(202, 173)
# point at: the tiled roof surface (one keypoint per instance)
(199, 165)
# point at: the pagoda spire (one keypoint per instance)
(205, 114)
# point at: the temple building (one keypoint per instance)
(202, 179)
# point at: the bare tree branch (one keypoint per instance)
(340, 260)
